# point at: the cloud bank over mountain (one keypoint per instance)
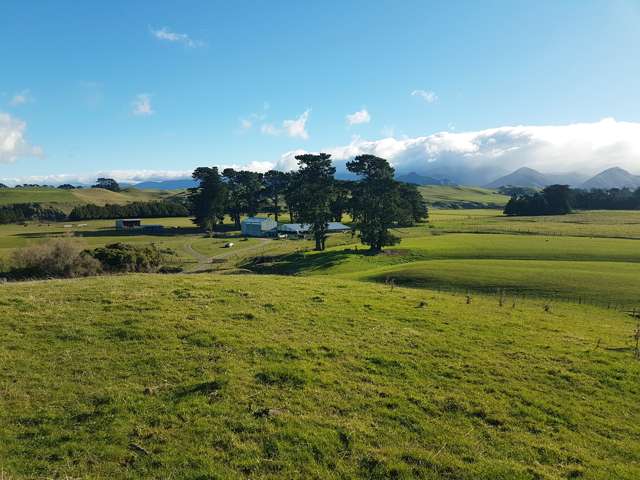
(480, 156)
(474, 158)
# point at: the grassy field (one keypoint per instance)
(611, 223)
(446, 196)
(67, 199)
(578, 261)
(358, 366)
(278, 377)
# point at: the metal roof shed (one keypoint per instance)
(258, 227)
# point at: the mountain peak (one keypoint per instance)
(614, 177)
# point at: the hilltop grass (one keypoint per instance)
(448, 196)
(67, 199)
(278, 377)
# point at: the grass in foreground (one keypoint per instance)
(280, 377)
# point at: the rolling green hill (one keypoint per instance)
(277, 377)
(67, 199)
(447, 196)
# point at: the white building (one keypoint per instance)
(258, 227)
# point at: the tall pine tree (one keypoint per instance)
(316, 178)
(375, 201)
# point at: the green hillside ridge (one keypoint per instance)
(67, 199)
(149, 376)
(448, 196)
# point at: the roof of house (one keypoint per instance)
(256, 220)
(303, 227)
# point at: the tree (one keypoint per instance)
(275, 184)
(340, 198)
(375, 201)
(245, 190)
(251, 187)
(234, 202)
(66, 186)
(412, 207)
(2, 185)
(293, 195)
(557, 197)
(315, 181)
(209, 199)
(107, 184)
(553, 200)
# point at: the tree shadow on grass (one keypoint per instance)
(293, 264)
(166, 232)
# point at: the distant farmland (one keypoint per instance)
(447, 196)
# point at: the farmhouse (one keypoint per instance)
(135, 225)
(258, 227)
(303, 228)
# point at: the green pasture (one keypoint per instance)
(609, 223)
(243, 376)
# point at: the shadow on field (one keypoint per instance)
(292, 264)
(108, 232)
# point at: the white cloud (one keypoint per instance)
(480, 156)
(166, 35)
(21, 98)
(142, 105)
(293, 128)
(427, 95)
(13, 144)
(361, 116)
(297, 128)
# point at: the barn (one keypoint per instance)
(258, 227)
(135, 225)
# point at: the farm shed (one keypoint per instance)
(135, 224)
(258, 227)
(128, 223)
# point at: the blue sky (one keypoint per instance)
(144, 87)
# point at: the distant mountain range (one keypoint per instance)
(613, 178)
(417, 179)
(527, 177)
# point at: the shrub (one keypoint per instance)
(122, 257)
(60, 257)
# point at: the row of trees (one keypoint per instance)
(22, 212)
(130, 210)
(552, 200)
(312, 195)
(612, 199)
(560, 200)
